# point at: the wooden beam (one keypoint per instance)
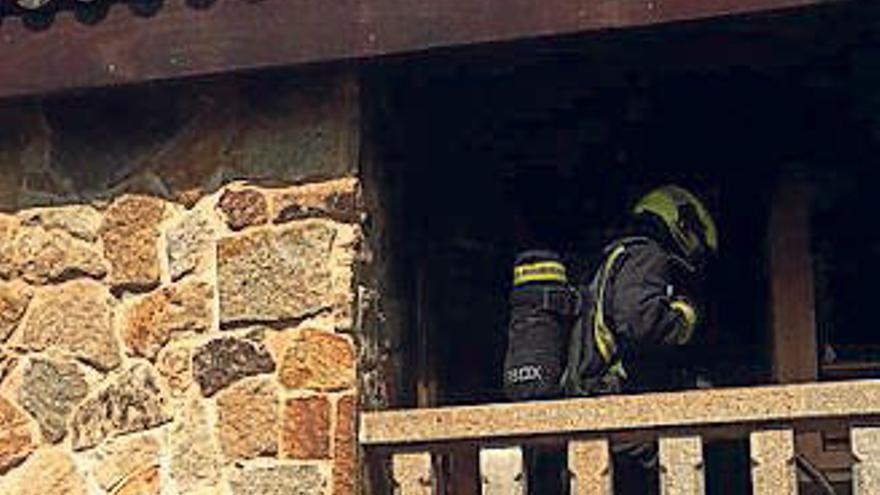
(792, 294)
(812, 446)
(692, 409)
(462, 474)
(794, 339)
(236, 35)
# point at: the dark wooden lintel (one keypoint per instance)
(234, 35)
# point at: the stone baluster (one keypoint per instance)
(773, 468)
(866, 470)
(589, 462)
(502, 471)
(681, 466)
(413, 473)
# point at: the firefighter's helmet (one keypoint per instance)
(686, 218)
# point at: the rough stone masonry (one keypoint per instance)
(177, 289)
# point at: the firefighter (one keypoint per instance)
(615, 334)
(643, 299)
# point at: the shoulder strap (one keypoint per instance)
(602, 332)
(596, 330)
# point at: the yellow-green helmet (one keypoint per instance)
(685, 216)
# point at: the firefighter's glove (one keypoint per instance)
(689, 319)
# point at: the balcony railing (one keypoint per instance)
(769, 416)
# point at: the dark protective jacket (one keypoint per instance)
(638, 283)
(640, 293)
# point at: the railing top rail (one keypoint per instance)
(697, 408)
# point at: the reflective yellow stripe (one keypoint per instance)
(618, 369)
(689, 319)
(541, 271)
(602, 334)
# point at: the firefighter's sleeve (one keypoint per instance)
(650, 308)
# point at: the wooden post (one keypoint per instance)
(502, 471)
(866, 471)
(461, 474)
(794, 337)
(681, 466)
(589, 462)
(791, 286)
(773, 469)
(426, 355)
(413, 474)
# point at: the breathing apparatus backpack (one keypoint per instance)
(559, 339)
(543, 307)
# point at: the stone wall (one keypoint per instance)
(177, 293)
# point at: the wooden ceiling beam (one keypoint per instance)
(233, 35)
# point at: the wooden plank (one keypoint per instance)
(795, 358)
(866, 471)
(427, 382)
(230, 36)
(794, 337)
(681, 466)
(812, 446)
(591, 468)
(718, 408)
(461, 471)
(412, 473)
(773, 468)
(502, 471)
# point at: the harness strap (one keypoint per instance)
(562, 300)
(594, 364)
(602, 334)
